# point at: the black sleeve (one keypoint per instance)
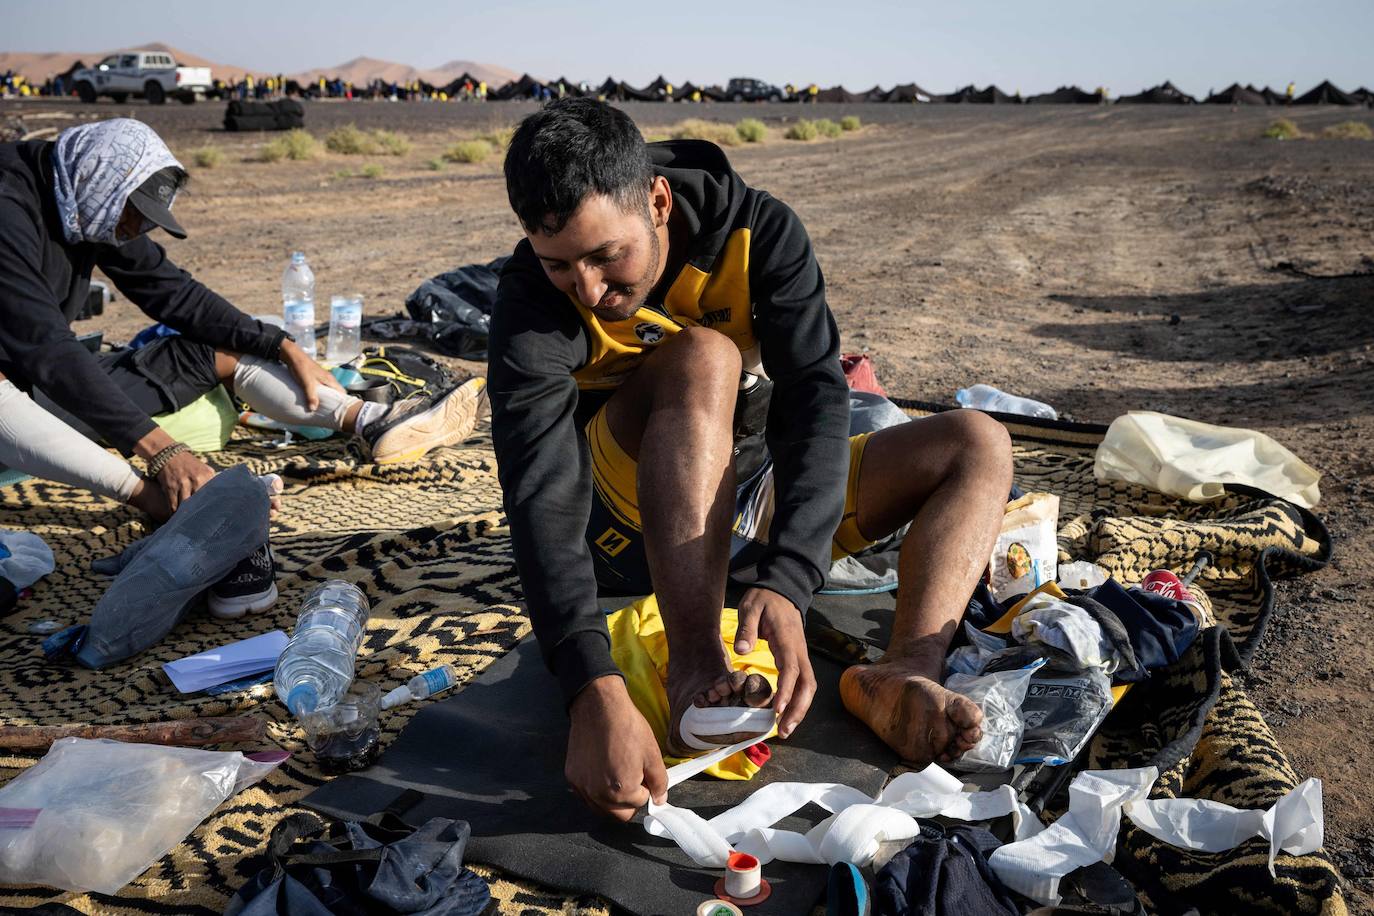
(35, 335)
(141, 270)
(808, 419)
(545, 471)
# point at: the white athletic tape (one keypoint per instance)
(700, 723)
(1033, 864)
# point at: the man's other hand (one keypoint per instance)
(182, 476)
(307, 373)
(613, 760)
(766, 613)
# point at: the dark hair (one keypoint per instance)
(570, 149)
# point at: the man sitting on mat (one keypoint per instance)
(660, 325)
(88, 200)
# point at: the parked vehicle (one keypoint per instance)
(151, 75)
(744, 89)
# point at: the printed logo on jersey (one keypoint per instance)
(612, 542)
(648, 332)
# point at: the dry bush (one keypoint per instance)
(751, 130)
(1349, 130)
(390, 143)
(371, 170)
(828, 128)
(207, 157)
(850, 122)
(499, 138)
(1282, 129)
(802, 130)
(714, 131)
(349, 140)
(468, 151)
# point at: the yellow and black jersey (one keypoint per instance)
(750, 274)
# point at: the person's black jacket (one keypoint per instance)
(750, 274)
(44, 281)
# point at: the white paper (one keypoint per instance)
(227, 663)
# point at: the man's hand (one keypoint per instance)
(613, 759)
(182, 476)
(308, 373)
(766, 613)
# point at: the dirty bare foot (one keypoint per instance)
(906, 706)
(708, 681)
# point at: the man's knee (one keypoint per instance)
(984, 445)
(698, 360)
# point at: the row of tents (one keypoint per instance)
(611, 89)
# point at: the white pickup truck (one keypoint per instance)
(153, 75)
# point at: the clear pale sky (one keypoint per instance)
(1030, 45)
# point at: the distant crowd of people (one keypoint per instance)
(16, 85)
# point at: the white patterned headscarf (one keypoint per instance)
(96, 167)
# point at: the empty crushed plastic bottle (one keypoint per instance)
(986, 397)
(298, 302)
(316, 668)
(421, 686)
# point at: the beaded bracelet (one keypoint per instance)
(160, 460)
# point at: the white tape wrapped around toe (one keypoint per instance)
(699, 723)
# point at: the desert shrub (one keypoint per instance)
(207, 157)
(344, 173)
(751, 130)
(349, 140)
(435, 165)
(390, 143)
(371, 170)
(802, 130)
(499, 138)
(656, 138)
(828, 128)
(1282, 129)
(850, 122)
(697, 129)
(1349, 130)
(296, 144)
(468, 151)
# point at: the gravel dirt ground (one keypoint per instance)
(1099, 259)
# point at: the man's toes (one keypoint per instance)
(757, 691)
(962, 712)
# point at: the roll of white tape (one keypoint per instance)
(743, 876)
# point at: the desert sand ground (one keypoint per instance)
(1099, 259)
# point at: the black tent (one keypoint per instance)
(569, 87)
(838, 94)
(523, 88)
(907, 92)
(972, 96)
(1274, 98)
(876, 94)
(708, 93)
(1363, 96)
(1065, 95)
(1166, 93)
(454, 87)
(1325, 94)
(628, 93)
(1236, 94)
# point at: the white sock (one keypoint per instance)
(35, 442)
(371, 412)
(271, 390)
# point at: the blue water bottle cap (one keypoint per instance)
(302, 699)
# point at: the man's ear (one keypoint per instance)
(660, 201)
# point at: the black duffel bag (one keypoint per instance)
(284, 114)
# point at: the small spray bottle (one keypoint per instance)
(420, 686)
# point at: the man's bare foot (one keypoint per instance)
(706, 684)
(906, 707)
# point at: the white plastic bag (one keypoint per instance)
(999, 696)
(1026, 552)
(94, 814)
(1193, 460)
(24, 558)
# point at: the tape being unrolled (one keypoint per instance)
(743, 876)
(700, 724)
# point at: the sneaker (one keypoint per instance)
(249, 588)
(415, 426)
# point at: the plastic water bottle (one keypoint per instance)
(420, 686)
(316, 667)
(345, 329)
(298, 302)
(986, 397)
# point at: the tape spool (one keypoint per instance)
(717, 908)
(743, 882)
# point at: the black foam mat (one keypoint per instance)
(493, 755)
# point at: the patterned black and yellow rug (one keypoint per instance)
(428, 546)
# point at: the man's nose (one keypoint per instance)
(590, 286)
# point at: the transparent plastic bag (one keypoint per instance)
(94, 814)
(999, 696)
(1061, 713)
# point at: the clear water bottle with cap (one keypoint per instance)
(345, 329)
(316, 668)
(986, 397)
(298, 302)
